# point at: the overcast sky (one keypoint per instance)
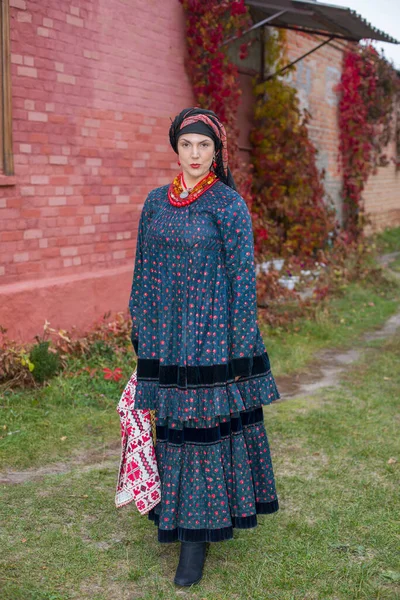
(382, 14)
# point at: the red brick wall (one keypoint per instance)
(315, 79)
(382, 196)
(94, 85)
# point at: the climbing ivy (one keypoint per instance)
(369, 89)
(293, 217)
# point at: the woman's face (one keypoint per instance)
(196, 153)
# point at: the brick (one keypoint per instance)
(37, 116)
(11, 236)
(58, 160)
(91, 54)
(2, 270)
(118, 254)
(64, 78)
(27, 190)
(21, 257)
(122, 199)
(101, 210)
(21, 4)
(29, 61)
(72, 20)
(59, 67)
(72, 251)
(94, 162)
(48, 22)
(24, 17)
(42, 31)
(87, 229)
(17, 59)
(92, 123)
(27, 72)
(33, 234)
(40, 179)
(25, 148)
(50, 107)
(58, 201)
(74, 10)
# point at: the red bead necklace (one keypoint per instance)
(180, 195)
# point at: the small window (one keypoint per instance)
(6, 155)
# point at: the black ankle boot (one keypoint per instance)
(191, 562)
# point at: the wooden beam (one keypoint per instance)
(6, 152)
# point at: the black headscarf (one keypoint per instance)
(210, 126)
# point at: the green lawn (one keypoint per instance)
(336, 460)
(76, 413)
(334, 537)
(388, 240)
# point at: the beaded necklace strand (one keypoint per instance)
(180, 195)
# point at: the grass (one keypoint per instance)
(74, 415)
(388, 240)
(395, 264)
(338, 324)
(333, 539)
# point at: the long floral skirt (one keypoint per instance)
(214, 477)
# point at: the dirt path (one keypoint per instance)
(101, 458)
(326, 370)
(329, 364)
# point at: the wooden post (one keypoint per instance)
(6, 150)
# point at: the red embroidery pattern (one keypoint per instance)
(138, 477)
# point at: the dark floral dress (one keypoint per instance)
(194, 314)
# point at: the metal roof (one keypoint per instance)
(317, 17)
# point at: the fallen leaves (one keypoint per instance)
(115, 375)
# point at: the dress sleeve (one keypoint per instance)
(136, 291)
(238, 242)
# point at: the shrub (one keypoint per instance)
(46, 363)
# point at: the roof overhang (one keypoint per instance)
(315, 17)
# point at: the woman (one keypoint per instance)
(202, 364)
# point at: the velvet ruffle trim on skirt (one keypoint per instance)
(202, 392)
(213, 478)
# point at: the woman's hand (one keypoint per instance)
(237, 377)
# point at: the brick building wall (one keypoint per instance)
(94, 85)
(315, 79)
(382, 196)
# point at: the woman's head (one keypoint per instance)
(196, 154)
(198, 137)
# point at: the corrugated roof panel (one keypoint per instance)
(319, 17)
